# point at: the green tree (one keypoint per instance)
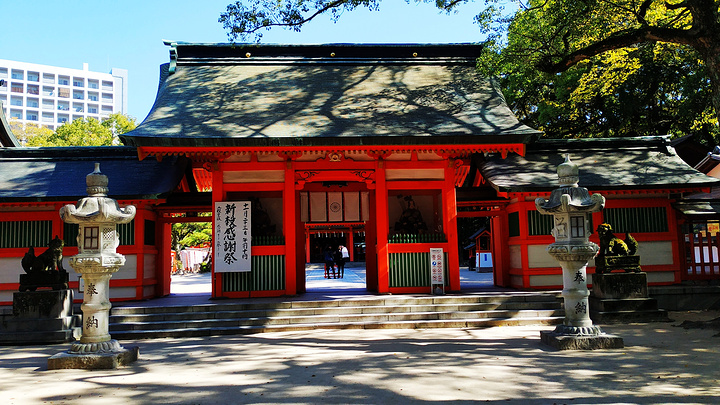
(85, 132)
(28, 131)
(571, 65)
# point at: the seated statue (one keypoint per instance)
(411, 220)
(44, 270)
(615, 253)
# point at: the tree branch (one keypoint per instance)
(622, 40)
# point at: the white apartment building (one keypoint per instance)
(50, 96)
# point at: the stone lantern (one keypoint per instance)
(571, 206)
(97, 216)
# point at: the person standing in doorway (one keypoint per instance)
(343, 256)
(329, 262)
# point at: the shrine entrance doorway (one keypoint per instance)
(334, 214)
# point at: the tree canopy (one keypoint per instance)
(84, 132)
(571, 67)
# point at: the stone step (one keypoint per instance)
(137, 321)
(40, 337)
(627, 304)
(333, 319)
(283, 312)
(239, 330)
(616, 317)
(368, 302)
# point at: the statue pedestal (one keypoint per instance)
(622, 298)
(44, 316)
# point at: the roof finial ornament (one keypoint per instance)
(568, 173)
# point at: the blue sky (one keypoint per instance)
(128, 34)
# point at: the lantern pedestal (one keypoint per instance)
(96, 261)
(571, 207)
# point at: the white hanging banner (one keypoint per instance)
(232, 224)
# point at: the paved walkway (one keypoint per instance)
(661, 364)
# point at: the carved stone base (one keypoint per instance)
(623, 298)
(94, 361)
(581, 342)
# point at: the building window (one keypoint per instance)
(78, 107)
(78, 95)
(48, 78)
(33, 89)
(33, 103)
(48, 91)
(92, 96)
(107, 98)
(18, 74)
(539, 224)
(48, 117)
(78, 82)
(64, 80)
(577, 227)
(48, 104)
(33, 76)
(17, 88)
(62, 118)
(107, 109)
(639, 219)
(16, 101)
(63, 106)
(92, 109)
(93, 84)
(107, 85)
(17, 114)
(63, 92)
(91, 237)
(31, 116)
(3, 73)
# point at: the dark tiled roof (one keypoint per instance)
(301, 95)
(609, 163)
(58, 174)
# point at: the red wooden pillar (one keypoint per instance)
(289, 225)
(450, 226)
(164, 260)
(139, 252)
(307, 245)
(351, 245)
(381, 227)
(501, 253)
(218, 195)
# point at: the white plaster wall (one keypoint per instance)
(659, 252)
(149, 265)
(546, 280)
(122, 292)
(10, 270)
(515, 256)
(539, 257)
(6, 296)
(661, 277)
(129, 270)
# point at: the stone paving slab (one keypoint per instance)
(661, 364)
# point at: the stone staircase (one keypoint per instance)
(362, 312)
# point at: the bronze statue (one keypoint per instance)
(615, 253)
(44, 270)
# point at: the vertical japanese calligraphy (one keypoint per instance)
(232, 236)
